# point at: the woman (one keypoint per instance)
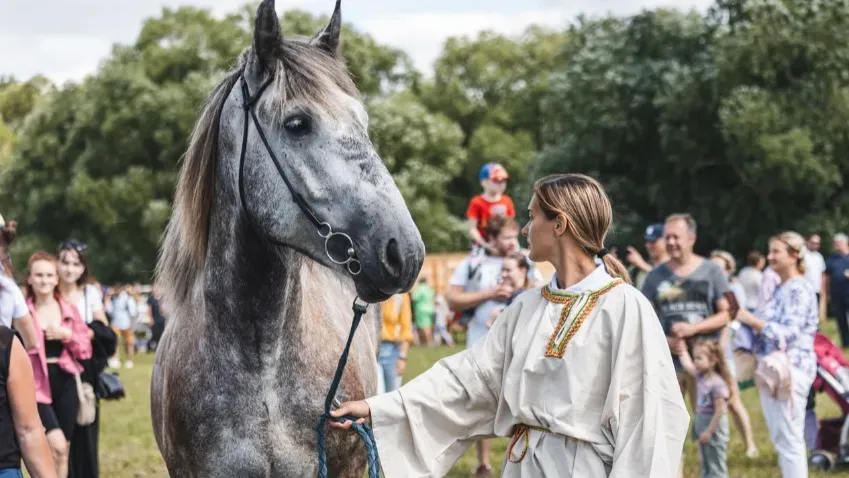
(123, 308)
(578, 373)
(395, 339)
(64, 342)
(75, 288)
(514, 272)
(21, 433)
(738, 411)
(789, 320)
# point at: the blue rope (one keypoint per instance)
(363, 430)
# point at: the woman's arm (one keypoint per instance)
(28, 426)
(422, 433)
(26, 327)
(644, 417)
(719, 408)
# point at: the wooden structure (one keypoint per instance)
(439, 266)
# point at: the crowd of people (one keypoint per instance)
(724, 328)
(59, 336)
(721, 331)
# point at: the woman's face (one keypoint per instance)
(512, 274)
(70, 266)
(539, 230)
(780, 258)
(43, 278)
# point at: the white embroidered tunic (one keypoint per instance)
(581, 379)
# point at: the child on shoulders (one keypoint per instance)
(492, 202)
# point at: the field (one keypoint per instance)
(128, 449)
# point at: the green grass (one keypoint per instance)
(128, 449)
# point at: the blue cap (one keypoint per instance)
(653, 232)
(493, 171)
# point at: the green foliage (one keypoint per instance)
(740, 117)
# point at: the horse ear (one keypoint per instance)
(268, 38)
(328, 38)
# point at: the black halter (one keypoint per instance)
(324, 230)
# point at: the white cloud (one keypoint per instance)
(422, 35)
(67, 39)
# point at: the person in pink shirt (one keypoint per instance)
(64, 339)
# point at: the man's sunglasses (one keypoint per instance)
(72, 245)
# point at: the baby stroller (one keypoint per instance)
(832, 379)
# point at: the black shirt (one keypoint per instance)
(10, 451)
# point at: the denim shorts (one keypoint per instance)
(11, 473)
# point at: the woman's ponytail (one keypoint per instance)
(615, 268)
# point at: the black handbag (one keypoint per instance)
(109, 386)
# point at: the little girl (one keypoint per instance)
(713, 391)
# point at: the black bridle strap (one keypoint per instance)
(249, 102)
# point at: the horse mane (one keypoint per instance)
(304, 73)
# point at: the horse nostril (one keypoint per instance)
(394, 260)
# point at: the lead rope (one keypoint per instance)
(326, 232)
(363, 430)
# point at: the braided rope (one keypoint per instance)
(363, 430)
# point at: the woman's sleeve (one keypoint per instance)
(791, 317)
(644, 417)
(424, 427)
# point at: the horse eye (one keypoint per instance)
(297, 125)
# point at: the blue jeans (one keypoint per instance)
(387, 358)
(11, 473)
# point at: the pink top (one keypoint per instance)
(78, 347)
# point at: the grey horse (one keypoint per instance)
(259, 304)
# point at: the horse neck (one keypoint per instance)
(251, 288)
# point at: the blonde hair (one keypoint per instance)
(727, 258)
(582, 202)
(795, 243)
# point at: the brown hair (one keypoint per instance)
(85, 277)
(717, 357)
(753, 258)
(581, 200)
(795, 244)
(35, 257)
(523, 261)
(497, 224)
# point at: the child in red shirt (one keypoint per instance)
(492, 203)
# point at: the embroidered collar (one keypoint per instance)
(596, 280)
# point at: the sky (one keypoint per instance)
(65, 40)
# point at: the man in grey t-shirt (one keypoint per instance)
(687, 292)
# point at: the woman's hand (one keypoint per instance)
(57, 332)
(359, 409)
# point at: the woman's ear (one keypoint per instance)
(560, 225)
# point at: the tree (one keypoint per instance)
(492, 87)
(423, 151)
(739, 118)
(98, 162)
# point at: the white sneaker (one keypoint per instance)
(114, 363)
(128, 364)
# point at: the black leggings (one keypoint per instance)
(62, 413)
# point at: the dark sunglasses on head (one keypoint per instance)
(72, 245)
